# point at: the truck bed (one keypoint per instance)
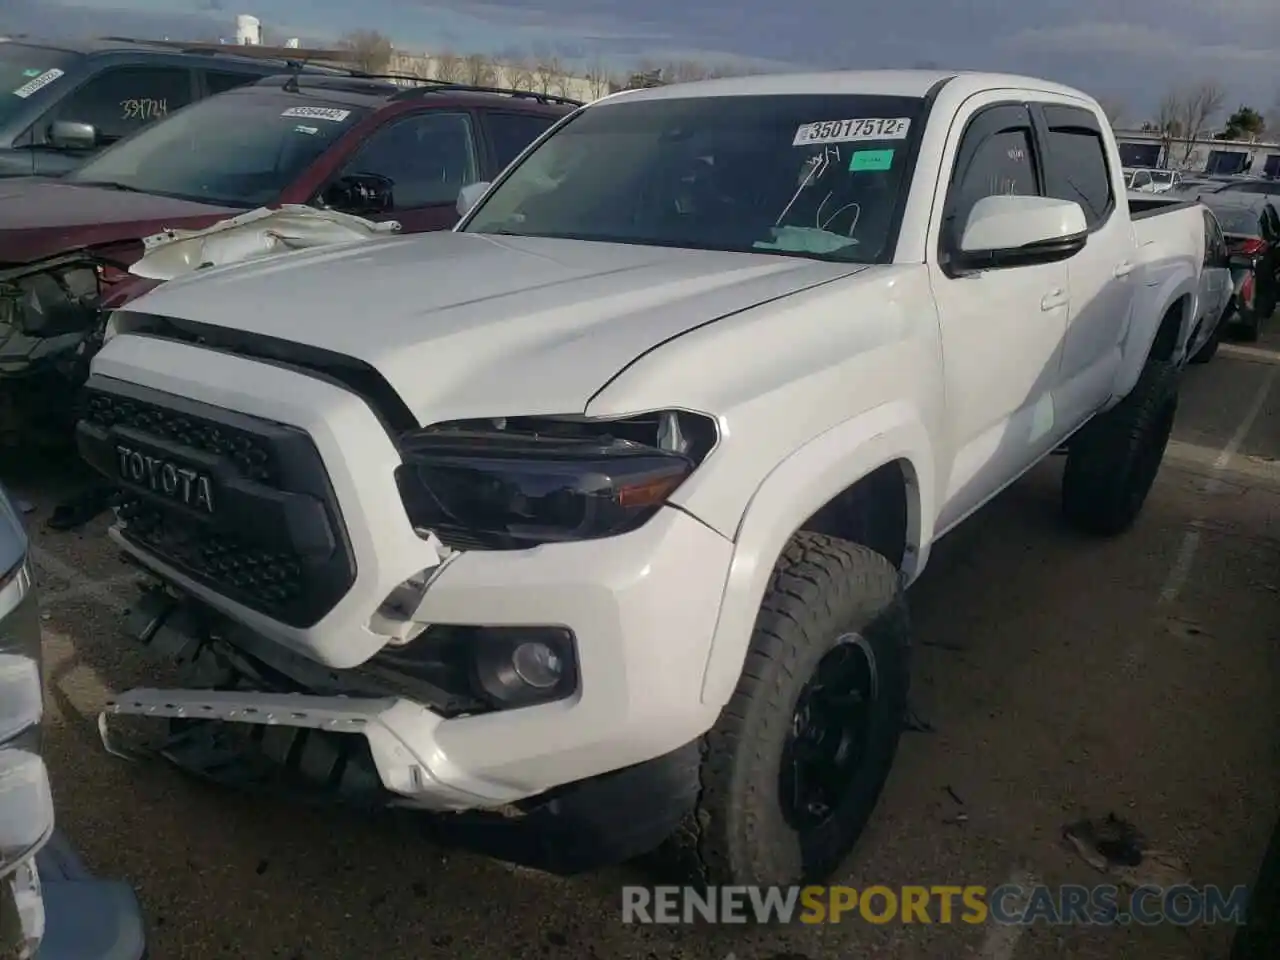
(1145, 205)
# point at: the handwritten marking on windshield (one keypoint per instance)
(143, 109)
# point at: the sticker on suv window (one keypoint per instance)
(37, 84)
(317, 113)
(850, 131)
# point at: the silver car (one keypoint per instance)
(50, 908)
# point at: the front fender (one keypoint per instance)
(1165, 287)
(790, 494)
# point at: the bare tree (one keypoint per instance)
(1113, 109)
(547, 72)
(370, 50)
(598, 79)
(1195, 107)
(520, 75)
(1167, 123)
(448, 67)
(477, 69)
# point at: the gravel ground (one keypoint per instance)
(1056, 676)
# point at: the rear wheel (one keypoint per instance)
(1114, 460)
(1209, 349)
(793, 768)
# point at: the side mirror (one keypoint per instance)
(469, 196)
(1005, 231)
(72, 135)
(360, 194)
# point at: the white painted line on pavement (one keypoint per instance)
(105, 593)
(1001, 941)
(1181, 569)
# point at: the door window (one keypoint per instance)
(218, 82)
(1215, 244)
(428, 158)
(996, 156)
(1076, 165)
(510, 133)
(120, 100)
(1141, 179)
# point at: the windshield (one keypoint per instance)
(1242, 221)
(1162, 176)
(24, 71)
(817, 176)
(238, 149)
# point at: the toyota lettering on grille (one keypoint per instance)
(183, 485)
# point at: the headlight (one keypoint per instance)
(518, 482)
(51, 302)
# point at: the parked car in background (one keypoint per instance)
(1251, 227)
(353, 144)
(50, 907)
(60, 103)
(1154, 181)
(599, 508)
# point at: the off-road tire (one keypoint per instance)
(822, 589)
(1248, 325)
(1209, 349)
(1114, 459)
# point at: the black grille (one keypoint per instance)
(275, 542)
(245, 572)
(250, 455)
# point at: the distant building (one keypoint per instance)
(1147, 148)
(248, 31)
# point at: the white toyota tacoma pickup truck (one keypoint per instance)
(598, 511)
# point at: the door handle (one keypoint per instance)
(1122, 270)
(1053, 299)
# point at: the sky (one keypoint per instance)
(1126, 51)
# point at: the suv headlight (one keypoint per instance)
(513, 483)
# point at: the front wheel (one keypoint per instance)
(797, 760)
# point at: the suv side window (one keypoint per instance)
(428, 158)
(120, 100)
(1075, 162)
(1141, 179)
(220, 82)
(996, 156)
(510, 133)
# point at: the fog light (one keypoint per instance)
(537, 665)
(521, 666)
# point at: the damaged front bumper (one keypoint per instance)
(250, 722)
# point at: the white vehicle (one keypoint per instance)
(600, 509)
(1216, 298)
(1154, 181)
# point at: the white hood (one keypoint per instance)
(470, 325)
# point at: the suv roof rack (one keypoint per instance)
(443, 86)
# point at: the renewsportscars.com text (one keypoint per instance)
(1010, 904)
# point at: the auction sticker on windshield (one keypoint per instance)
(317, 113)
(37, 84)
(850, 131)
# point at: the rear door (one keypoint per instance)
(429, 157)
(1100, 277)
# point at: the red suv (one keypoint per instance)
(357, 144)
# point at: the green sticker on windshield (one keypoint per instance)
(871, 160)
(32, 72)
